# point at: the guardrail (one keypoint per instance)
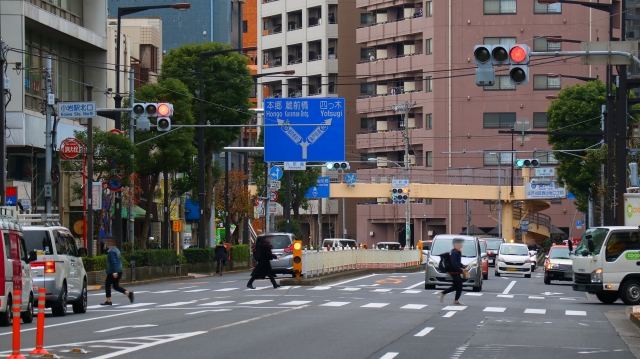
(317, 263)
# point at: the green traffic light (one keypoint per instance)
(330, 166)
(520, 163)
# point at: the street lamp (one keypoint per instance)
(497, 155)
(123, 11)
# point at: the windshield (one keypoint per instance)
(426, 245)
(514, 250)
(279, 242)
(38, 241)
(350, 244)
(493, 244)
(597, 235)
(446, 245)
(483, 247)
(559, 253)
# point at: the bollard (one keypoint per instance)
(42, 293)
(15, 349)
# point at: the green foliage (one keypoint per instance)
(577, 108)
(240, 253)
(182, 258)
(198, 255)
(152, 258)
(296, 229)
(99, 263)
(127, 247)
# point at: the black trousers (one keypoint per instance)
(457, 286)
(116, 284)
(271, 278)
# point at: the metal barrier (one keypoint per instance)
(317, 263)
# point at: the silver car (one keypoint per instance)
(471, 258)
(282, 247)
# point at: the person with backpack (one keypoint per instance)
(455, 268)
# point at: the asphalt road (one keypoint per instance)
(376, 316)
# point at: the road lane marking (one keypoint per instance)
(320, 287)
(505, 295)
(353, 280)
(423, 332)
(506, 291)
(225, 289)
(535, 297)
(256, 318)
(208, 311)
(455, 307)
(125, 327)
(219, 302)
(255, 302)
(195, 290)
(381, 290)
(193, 286)
(297, 302)
(494, 309)
(474, 294)
(166, 291)
(412, 291)
(413, 306)
(535, 311)
(449, 314)
(334, 304)
(415, 285)
(351, 289)
(575, 312)
(177, 304)
(374, 305)
(98, 306)
(136, 305)
(121, 353)
(389, 355)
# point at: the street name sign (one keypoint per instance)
(534, 191)
(321, 189)
(77, 109)
(295, 166)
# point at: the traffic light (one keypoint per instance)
(164, 111)
(399, 195)
(519, 70)
(485, 73)
(297, 258)
(338, 166)
(142, 111)
(527, 163)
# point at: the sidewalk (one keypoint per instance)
(626, 329)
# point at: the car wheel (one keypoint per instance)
(607, 297)
(27, 317)
(630, 292)
(527, 275)
(5, 318)
(478, 288)
(80, 306)
(497, 274)
(429, 286)
(61, 309)
(485, 276)
(547, 280)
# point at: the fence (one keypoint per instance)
(316, 263)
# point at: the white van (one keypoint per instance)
(606, 263)
(339, 242)
(15, 273)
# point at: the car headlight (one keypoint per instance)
(500, 259)
(596, 276)
(472, 265)
(432, 263)
(554, 266)
(527, 261)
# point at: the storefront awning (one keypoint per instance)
(138, 213)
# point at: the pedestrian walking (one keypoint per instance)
(455, 270)
(114, 271)
(220, 256)
(263, 255)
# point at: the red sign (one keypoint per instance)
(115, 183)
(273, 196)
(115, 130)
(70, 148)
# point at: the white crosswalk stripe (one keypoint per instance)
(164, 291)
(319, 288)
(413, 306)
(381, 290)
(374, 305)
(225, 289)
(535, 311)
(297, 302)
(219, 302)
(195, 290)
(505, 295)
(474, 294)
(494, 309)
(412, 291)
(535, 297)
(335, 304)
(255, 302)
(424, 332)
(455, 307)
(177, 304)
(137, 305)
(351, 289)
(102, 306)
(575, 312)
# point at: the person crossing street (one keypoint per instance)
(114, 272)
(263, 255)
(455, 270)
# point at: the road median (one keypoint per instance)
(335, 277)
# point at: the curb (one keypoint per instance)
(330, 278)
(635, 319)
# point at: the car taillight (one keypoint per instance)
(288, 249)
(49, 267)
(36, 264)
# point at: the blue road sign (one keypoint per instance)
(275, 173)
(579, 224)
(351, 178)
(288, 143)
(77, 109)
(320, 190)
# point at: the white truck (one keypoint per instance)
(606, 262)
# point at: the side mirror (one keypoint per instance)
(592, 247)
(82, 252)
(33, 256)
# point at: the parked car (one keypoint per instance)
(493, 245)
(392, 246)
(15, 261)
(558, 264)
(513, 258)
(485, 260)
(58, 267)
(282, 247)
(443, 243)
(339, 242)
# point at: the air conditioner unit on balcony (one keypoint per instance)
(382, 200)
(411, 122)
(382, 162)
(381, 125)
(412, 160)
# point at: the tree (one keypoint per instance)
(172, 152)
(578, 108)
(227, 86)
(239, 197)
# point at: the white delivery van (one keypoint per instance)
(339, 242)
(15, 272)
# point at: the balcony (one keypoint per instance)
(389, 141)
(389, 29)
(379, 103)
(405, 63)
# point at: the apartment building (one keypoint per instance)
(315, 39)
(422, 52)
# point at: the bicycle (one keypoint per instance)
(219, 266)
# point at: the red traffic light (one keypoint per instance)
(164, 109)
(518, 54)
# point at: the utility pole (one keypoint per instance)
(287, 207)
(406, 107)
(3, 139)
(48, 187)
(131, 218)
(89, 185)
(227, 224)
(468, 217)
(165, 225)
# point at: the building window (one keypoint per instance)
(499, 120)
(428, 121)
(367, 123)
(428, 159)
(491, 158)
(366, 18)
(502, 83)
(499, 40)
(540, 120)
(429, 84)
(366, 52)
(366, 89)
(541, 44)
(427, 47)
(428, 9)
(428, 201)
(546, 158)
(492, 7)
(556, 201)
(245, 26)
(546, 8)
(542, 82)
